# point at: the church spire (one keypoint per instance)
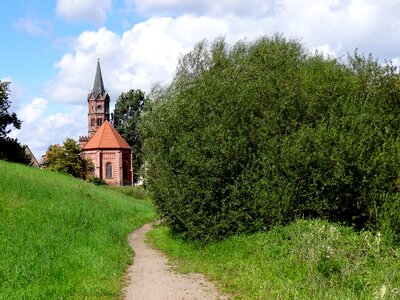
(98, 87)
(98, 103)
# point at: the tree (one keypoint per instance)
(67, 159)
(10, 149)
(127, 112)
(6, 118)
(261, 133)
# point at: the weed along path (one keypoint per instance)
(150, 277)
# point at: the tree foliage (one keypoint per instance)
(67, 159)
(264, 132)
(10, 149)
(127, 112)
(6, 118)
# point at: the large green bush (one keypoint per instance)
(260, 133)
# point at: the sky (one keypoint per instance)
(49, 49)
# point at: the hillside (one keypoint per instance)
(61, 237)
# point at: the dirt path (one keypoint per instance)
(151, 278)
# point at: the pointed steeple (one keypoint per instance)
(98, 103)
(98, 87)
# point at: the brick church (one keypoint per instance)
(109, 152)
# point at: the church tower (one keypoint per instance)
(98, 104)
(104, 147)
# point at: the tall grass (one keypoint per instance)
(137, 192)
(304, 260)
(61, 237)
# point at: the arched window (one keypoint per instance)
(92, 122)
(99, 121)
(108, 170)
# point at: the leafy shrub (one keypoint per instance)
(67, 158)
(98, 181)
(263, 132)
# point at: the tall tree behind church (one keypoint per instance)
(128, 109)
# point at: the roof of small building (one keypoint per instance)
(29, 153)
(106, 137)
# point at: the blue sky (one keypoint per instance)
(49, 49)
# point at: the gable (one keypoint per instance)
(106, 137)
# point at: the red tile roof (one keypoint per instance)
(106, 137)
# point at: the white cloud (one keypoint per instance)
(396, 61)
(33, 111)
(142, 56)
(77, 70)
(51, 128)
(148, 52)
(34, 26)
(327, 50)
(84, 10)
(367, 24)
(350, 24)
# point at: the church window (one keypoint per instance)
(92, 122)
(108, 170)
(99, 121)
(98, 107)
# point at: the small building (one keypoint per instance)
(33, 161)
(111, 156)
(110, 153)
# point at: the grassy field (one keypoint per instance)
(62, 238)
(305, 260)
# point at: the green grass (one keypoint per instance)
(137, 192)
(304, 260)
(62, 238)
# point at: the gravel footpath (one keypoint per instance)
(150, 277)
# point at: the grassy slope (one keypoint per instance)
(61, 237)
(305, 260)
